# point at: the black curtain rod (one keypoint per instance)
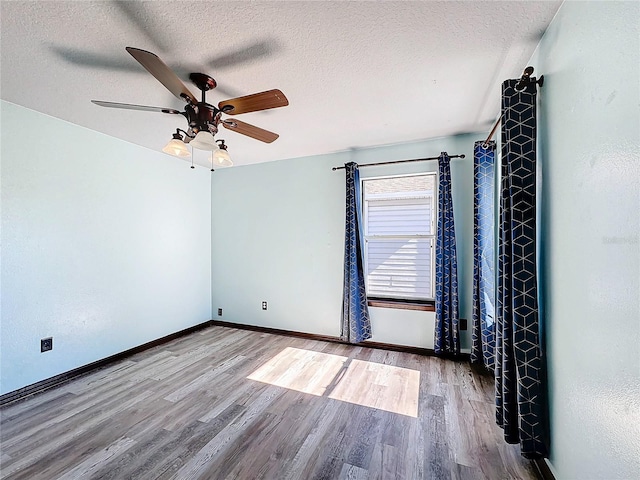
(521, 85)
(400, 161)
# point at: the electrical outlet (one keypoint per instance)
(463, 324)
(264, 305)
(46, 344)
(219, 312)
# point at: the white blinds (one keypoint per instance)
(399, 236)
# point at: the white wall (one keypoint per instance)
(278, 235)
(105, 246)
(590, 224)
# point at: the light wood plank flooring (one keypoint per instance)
(224, 403)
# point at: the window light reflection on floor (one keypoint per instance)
(370, 384)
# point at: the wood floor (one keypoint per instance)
(224, 403)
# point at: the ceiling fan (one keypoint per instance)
(202, 117)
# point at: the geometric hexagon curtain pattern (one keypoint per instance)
(483, 325)
(355, 326)
(519, 389)
(447, 335)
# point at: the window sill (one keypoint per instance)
(402, 305)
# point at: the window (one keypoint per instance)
(399, 230)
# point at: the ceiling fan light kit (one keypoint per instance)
(177, 147)
(220, 157)
(204, 141)
(202, 117)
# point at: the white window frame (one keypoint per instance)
(432, 237)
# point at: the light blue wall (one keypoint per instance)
(278, 235)
(590, 223)
(105, 246)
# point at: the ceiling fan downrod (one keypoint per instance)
(202, 115)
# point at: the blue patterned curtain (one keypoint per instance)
(483, 329)
(447, 335)
(519, 390)
(356, 326)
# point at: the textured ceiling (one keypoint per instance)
(357, 74)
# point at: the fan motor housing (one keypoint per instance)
(203, 116)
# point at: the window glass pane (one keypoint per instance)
(399, 228)
(400, 217)
(399, 268)
(399, 187)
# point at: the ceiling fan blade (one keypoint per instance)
(255, 102)
(162, 72)
(250, 130)
(129, 106)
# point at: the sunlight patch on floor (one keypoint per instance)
(302, 370)
(370, 384)
(381, 386)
